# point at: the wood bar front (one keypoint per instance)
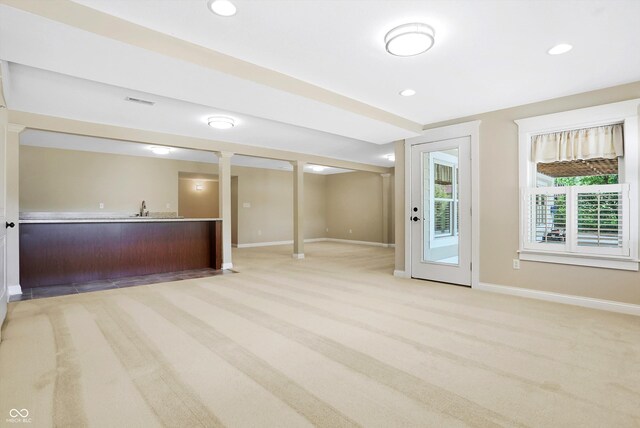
(67, 253)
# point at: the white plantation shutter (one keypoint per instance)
(600, 219)
(546, 219)
(577, 219)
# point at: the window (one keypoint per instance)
(579, 187)
(444, 204)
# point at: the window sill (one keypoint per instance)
(619, 263)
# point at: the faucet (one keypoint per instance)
(143, 207)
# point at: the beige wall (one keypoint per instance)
(499, 207)
(70, 180)
(269, 217)
(354, 202)
(195, 203)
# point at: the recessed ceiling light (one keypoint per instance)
(408, 93)
(222, 7)
(409, 39)
(560, 49)
(221, 122)
(317, 168)
(391, 157)
(159, 150)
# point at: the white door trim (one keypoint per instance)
(466, 129)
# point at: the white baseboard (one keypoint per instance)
(264, 244)
(272, 243)
(587, 302)
(349, 241)
(345, 241)
(298, 256)
(401, 274)
(227, 266)
(14, 290)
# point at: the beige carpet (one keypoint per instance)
(333, 340)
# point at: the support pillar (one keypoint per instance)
(386, 193)
(224, 194)
(298, 209)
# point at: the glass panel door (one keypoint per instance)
(441, 211)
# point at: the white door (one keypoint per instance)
(4, 295)
(440, 214)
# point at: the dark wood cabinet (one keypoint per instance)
(66, 253)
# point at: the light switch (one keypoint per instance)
(101, 205)
(246, 205)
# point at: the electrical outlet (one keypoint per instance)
(168, 205)
(516, 263)
(350, 231)
(101, 205)
(246, 205)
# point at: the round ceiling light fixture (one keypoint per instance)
(221, 122)
(560, 49)
(409, 39)
(222, 7)
(407, 92)
(317, 168)
(390, 157)
(160, 150)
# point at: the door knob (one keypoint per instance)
(12, 224)
(415, 219)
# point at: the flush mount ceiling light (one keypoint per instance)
(159, 150)
(222, 7)
(408, 93)
(409, 39)
(317, 168)
(390, 157)
(560, 49)
(221, 122)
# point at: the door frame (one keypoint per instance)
(467, 129)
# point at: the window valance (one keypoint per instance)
(602, 142)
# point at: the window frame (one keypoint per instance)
(625, 112)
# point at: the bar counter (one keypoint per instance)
(63, 251)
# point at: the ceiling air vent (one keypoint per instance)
(139, 101)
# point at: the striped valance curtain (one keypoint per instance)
(602, 142)
(443, 174)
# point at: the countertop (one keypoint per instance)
(115, 220)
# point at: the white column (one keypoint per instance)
(224, 192)
(13, 206)
(298, 209)
(386, 193)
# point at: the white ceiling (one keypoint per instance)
(56, 140)
(488, 55)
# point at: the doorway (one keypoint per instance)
(440, 211)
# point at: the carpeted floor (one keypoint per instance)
(332, 340)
